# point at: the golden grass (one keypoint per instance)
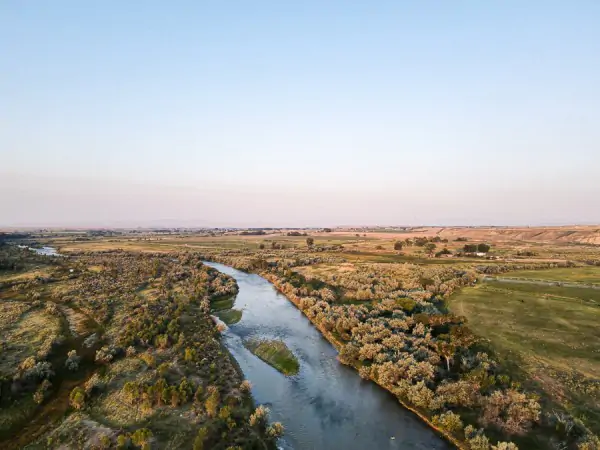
(25, 276)
(10, 312)
(113, 406)
(31, 335)
(78, 322)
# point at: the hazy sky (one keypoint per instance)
(257, 113)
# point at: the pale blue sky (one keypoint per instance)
(299, 113)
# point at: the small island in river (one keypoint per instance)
(276, 354)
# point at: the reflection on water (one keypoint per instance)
(327, 405)
(46, 251)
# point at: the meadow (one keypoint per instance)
(550, 333)
(585, 275)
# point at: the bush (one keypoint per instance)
(448, 421)
(141, 437)
(77, 398)
(72, 362)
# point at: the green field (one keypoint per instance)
(550, 332)
(587, 274)
(276, 354)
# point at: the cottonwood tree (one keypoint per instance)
(430, 248)
(483, 248)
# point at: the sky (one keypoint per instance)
(312, 113)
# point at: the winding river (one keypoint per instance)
(327, 405)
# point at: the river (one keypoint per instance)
(327, 405)
(44, 251)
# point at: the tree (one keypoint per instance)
(40, 394)
(446, 349)
(470, 248)
(199, 394)
(421, 241)
(212, 402)
(310, 241)
(483, 248)
(189, 354)
(200, 438)
(430, 248)
(398, 246)
(77, 398)
(275, 430)
(511, 411)
(123, 442)
(448, 421)
(462, 336)
(141, 437)
(72, 362)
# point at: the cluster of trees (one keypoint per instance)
(477, 248)
(32, 377)
(405, 340)
(420, 241)
(296, 233)
(493, 269)
(429, 244)
(249, 261)
(253, 233)
(149, 395)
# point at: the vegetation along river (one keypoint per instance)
(327, 405)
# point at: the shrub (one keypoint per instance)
(511, 411)
(275, 430)
(141, 437)
(72, 362)
(259, 416)
(106, 354)
(448, 421)
(200, 439)
(42, 391)
(505, 446)
(212, 402)
(77, 398)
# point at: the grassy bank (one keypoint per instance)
(222, 303)
(276, 354)
(552, 332)
(587, 274)
(230, 316)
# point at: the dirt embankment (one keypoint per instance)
(580, 234)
